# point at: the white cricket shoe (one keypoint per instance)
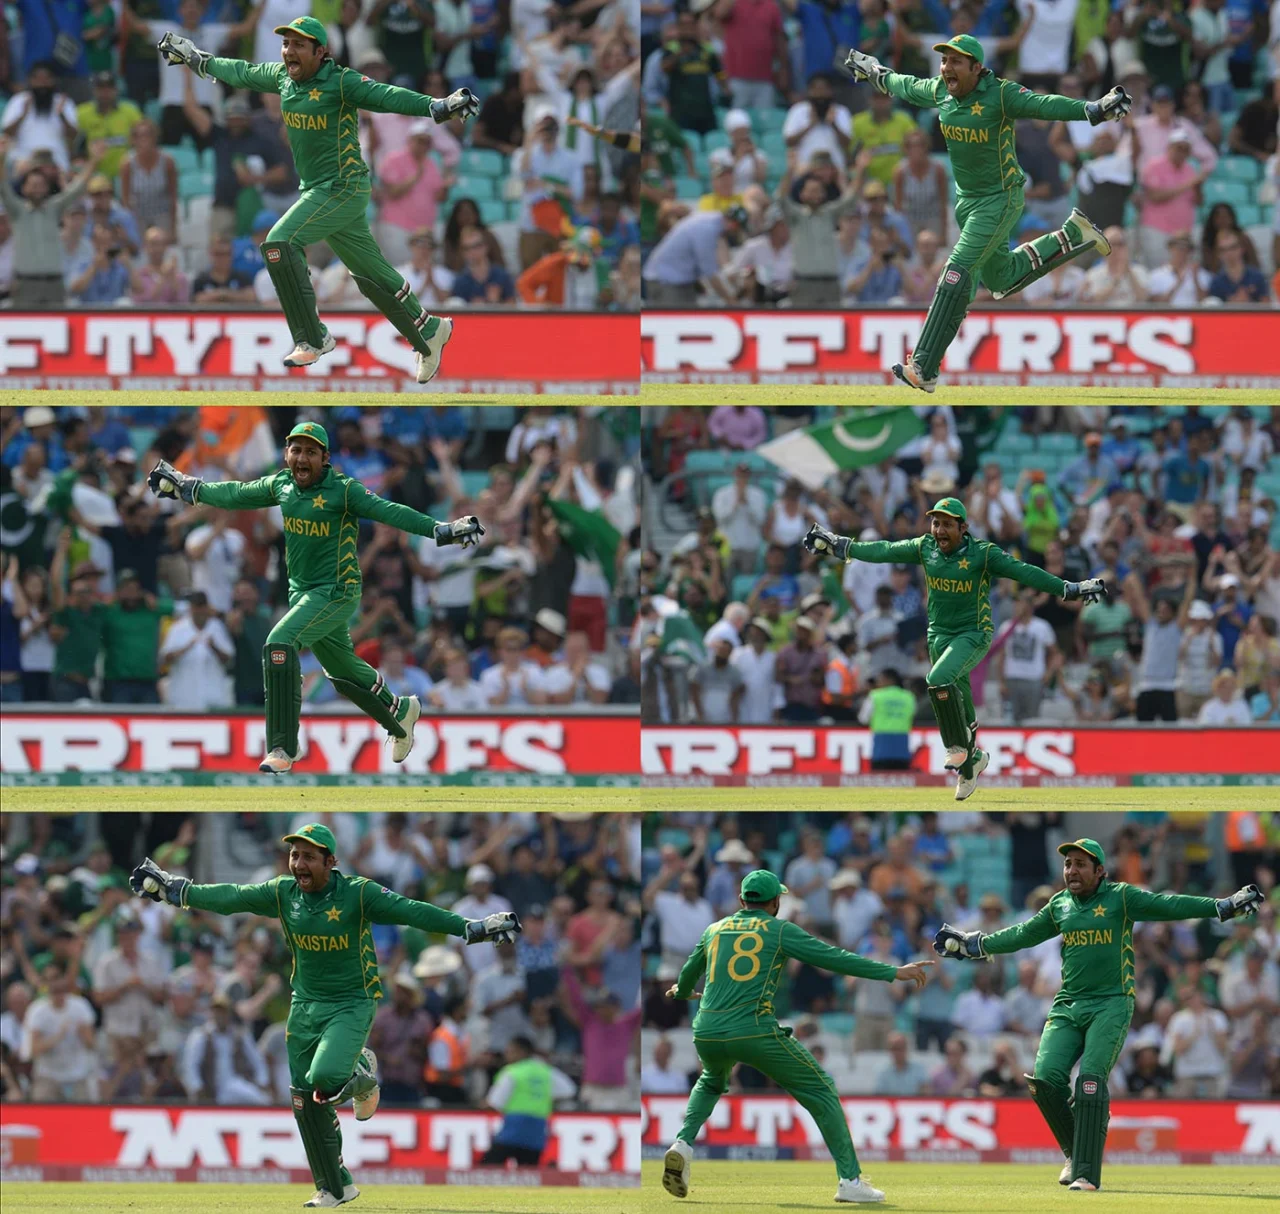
(956, 757)
(675, 1168)
(402, 746)
(856, 1190)
(1089, 233)
(911, 375)
(304, 355)
(366, 1105)
(1082, 1186)
(964, 788)
(429, 364)
(324, 1200)
(276, 762)
(1064, 1177)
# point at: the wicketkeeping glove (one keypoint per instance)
(169, 889)
(467, 531)
(865, 67)
(1241, 904)
(178, 50)
(1091, 590)
(820, 540)
(1111, 107)
(502, 928)
(164, 480)
(951, 942)
(461, 101)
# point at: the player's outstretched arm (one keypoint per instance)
(691, 971)
(797, 943)
(378, 98)
(879, 552)
(952, 943)
(182, 52)
(466, 531)
(151, 881)
(911, 89)
(381, 905)
(164, 480)
(1143, 906)
(1021, 102)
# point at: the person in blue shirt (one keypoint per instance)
(932, 845)
(481, 280)
(1236, 282)
(776, 582)
(111, 434)
(42, 23)
(1232, 614)
(107, 278)
(403, 678)
(825, 27)
(1120, 447)
(1085, 478)
(1186, 477)
(616, 233)
(1265, 703)
(246, 256)
(1247, 17)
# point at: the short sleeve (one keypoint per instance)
(795, 121)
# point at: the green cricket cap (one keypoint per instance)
(309, 27)
(315, 833)
(1092, 846)
(966, 44)
(761, 886)
(312, 430)
(950, 505)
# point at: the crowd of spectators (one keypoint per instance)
(108, 997)
(111, 595)
(1177, 510)
(880, 885)
(123, 181)
(770, 177)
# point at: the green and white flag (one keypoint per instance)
(817, 452)
(681, 639)
(589, 534)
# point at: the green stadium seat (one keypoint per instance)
(693, 139)
(1016, 443)
(1248, 213)
(689, 187)
(773, 145)
(740, 588)
(484, 162)
(474, 482)
(1234, 192)
(1238, 168)
(708, 461)
(767, 119)
(471, 186)
(714, 139)
(1058, 442)
(186, 157)
(492, 210)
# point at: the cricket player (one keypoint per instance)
(743, 957)
(327, 919)
(977, 111)
(322, 511)
(957, 571)
(1090, 1014)
(321, 103)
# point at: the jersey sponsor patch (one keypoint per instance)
(952, 277)
(385, 890)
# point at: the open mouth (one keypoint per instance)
(303, 878)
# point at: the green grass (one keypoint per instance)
(897, 394)
(266, 1199)
(23, 397)
(284, 799)
(766, 1188)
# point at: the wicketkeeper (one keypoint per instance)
(321, 103)
(1090, 1015)
(322, 511)
(957, 570)
(977, 111)
(327, 919)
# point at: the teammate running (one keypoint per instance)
(321, 103)
(743, 957)
(1090, 1015)
(322, 511)
(977, 111)
(327, 919)
(957, 570)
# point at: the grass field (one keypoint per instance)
(898, 394)
(268, 1199)
(281, 798)
(766, 1188)
(23, 397)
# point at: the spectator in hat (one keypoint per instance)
(478, 903)
(1199, 659)
(762, 270)
(59, 1028)
(755, 661)
(801, 672)
(1089, 474)
(687, 258)
(552, 176)
(1170, 187)
(1232, 612)
(1153, 132)
(1181, 281)
(733, 861)
(750, 165)
(221, 1062)
(411, 187)
(40, 118)
(547, 639)
(78, 624)
(428, 279)
(196, 654)
(724, 191)
(853, 908)
(109, 119)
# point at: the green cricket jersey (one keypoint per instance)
(959, 585)
(979, 127)
(321, 115)
(1097, 934)
(320, 522)
(743, 957)
(329, 933)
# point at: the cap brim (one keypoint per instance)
(303, 839)
(293, 29)
(948, 513)
(946, 46)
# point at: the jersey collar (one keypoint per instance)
(313, 899)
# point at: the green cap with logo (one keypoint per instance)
(1091, 846)
(952, 506)
(312, 430)
(761, 886)
(309, 27)
(316, 834)
(966, 44)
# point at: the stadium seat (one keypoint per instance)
(476, 187)
(693, 139)
(740, 588)
(1247, 213)
(689, 187)
(1238, 168)
(1234, 192)
(474, 482)
(187, 158)
(484, 162)
(1058, 442)
(492, 210)
(714, 139)
(773, 145)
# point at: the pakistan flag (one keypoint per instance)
(860, 437)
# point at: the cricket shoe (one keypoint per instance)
(366, 1105)
(304, 355)
(322, 1199)
(1082, 1186)
(857, 1189)
(964, 788)
(428, 364)
(402, 746)
(1064, 1177)
(675, 1168)
(276, 762)
(1088, 233)
(911, 375)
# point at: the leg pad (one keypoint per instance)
(948, 708)
(319, 1130)
(1054, 1103)
(1093, 1112)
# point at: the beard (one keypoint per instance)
(42, 99)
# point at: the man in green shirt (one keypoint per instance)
(320, 103)
(1090, 1015)
(327, 919)
(977, 112)
(322, 511)
(881, 129)
(76, 627)
(958, 569)
(664, 139)
(743, 957)
(131, 638)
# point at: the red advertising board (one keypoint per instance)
(533, 352)
(735, 753)
(33, 743)
(1208, 348)
(41, 1141)
(988, 1130)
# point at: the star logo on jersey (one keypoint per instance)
(977, 108)
(314, 94)
(964, 564)
(317, 502)
(333, 914)
(1099, 912)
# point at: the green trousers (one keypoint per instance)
(1089, 1031)
(777, 1054)
(953, 656)
(337, 213)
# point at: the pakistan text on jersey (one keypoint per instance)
(954, 584)
(1089, 935)
(965, 134)
(306, 526)
(323, 944)
(306, 122)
